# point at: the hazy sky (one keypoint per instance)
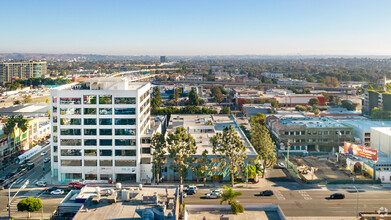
(198, 27)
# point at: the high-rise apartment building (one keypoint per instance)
(22, 70)
(97, 127)
(163, 59)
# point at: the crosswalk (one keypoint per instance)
(16, 200)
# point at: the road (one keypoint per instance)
(307, 202)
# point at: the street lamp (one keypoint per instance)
(9, 196)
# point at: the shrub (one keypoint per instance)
(236, 208)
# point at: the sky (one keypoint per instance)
(198, 27)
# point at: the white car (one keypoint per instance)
(41, 183)
(282, 165)
(44, 153)
(212, 195)
(57, 192)
(217, 191)
(191, 188)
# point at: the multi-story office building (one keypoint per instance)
(163, 59)
(309, 133)
(97, 126)
(22, 70)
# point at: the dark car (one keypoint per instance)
(266, 193)
(191, 192)
(337, 196)
(21, 167)
(51, 189)
(9, 175)
(30, 166)
(27, 161)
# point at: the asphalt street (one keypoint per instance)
(308, 202)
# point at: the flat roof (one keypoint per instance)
(384, 130)
(200, 127)
(25, 109)
(366, 125)
(313, 122)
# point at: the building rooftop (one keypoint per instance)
(203, 127)
(384, 130)
(25, 109)
(105, 83)
(312, 122)
(366, 125)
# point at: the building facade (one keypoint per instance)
(96, 129)
(22, 70)
(308, 133)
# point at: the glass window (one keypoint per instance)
(55, 148)
(125, 152)
(90, 121)
(146, 140)
(105, 111)
(125, 121)
(54, 109)
(105, 99)
(90, 111)
(71, 152)
(125, 142)
(70, 142)
(90, 163)
(70, 132)
(70, 100)
(145, 160)
(73, 176)
(106, 163)
(105, 132)
(55, 158)
(55, 138)
(70, 111)
(125, 163)
(89, 152)
(105, 152)
(105, 142)
(73, 163)
(70, 121)
(89, 99)
(105, 121)
(347, 132)
(127, 100)
(54, 100)
(89, 142)
(54, 129)
(125, 131)
(54, 119)
(125, 111)
(146, 150)
(89, 131)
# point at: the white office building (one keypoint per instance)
(96, 130)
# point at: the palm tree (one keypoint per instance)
(229, 195)
(22, 123)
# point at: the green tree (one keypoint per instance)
(205, 166)
(22, 123)
(313, 101)
(370, 87)
(230, 148)
(193, 98)
(259, 118)
(217, 94)
(225, 111)
(181, 145)
(316, 111)
(158, 145)
(156, 100)
(264, 145)
(229, 196)
(29, 204)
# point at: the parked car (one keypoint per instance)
(337, 196)
(266, 193)
(184, 195)
(57, 192)
(76, 185)
(41, 183)
(9, 175)
(217, 191)
(212, 195)
(281, 165)
(30, 166)
(44, 153)
(51, 189)
(46, 160)
(21, 167)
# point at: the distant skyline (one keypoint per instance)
(187, 28)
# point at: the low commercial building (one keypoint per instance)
(203, 127)
(291, 82)
(308, 133)
(253, 109)
(381, 139)
(362, 129)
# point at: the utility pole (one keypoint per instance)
(356, 198)
(288, 147)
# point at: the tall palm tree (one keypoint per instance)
(22, 123)
(229, 195)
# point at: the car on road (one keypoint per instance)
(216, 191)
(9, 175)
(191, 192)
(266, 193)
(2, 180)
(57, 192)
(26, 161)
(46, 160)
(281, 165)
(30, 166)
(41, 183)
(213, 195)
(44, 153)
(184, 195)
(337, 196)
(52, 189)
(191, 188)
(76, 185)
